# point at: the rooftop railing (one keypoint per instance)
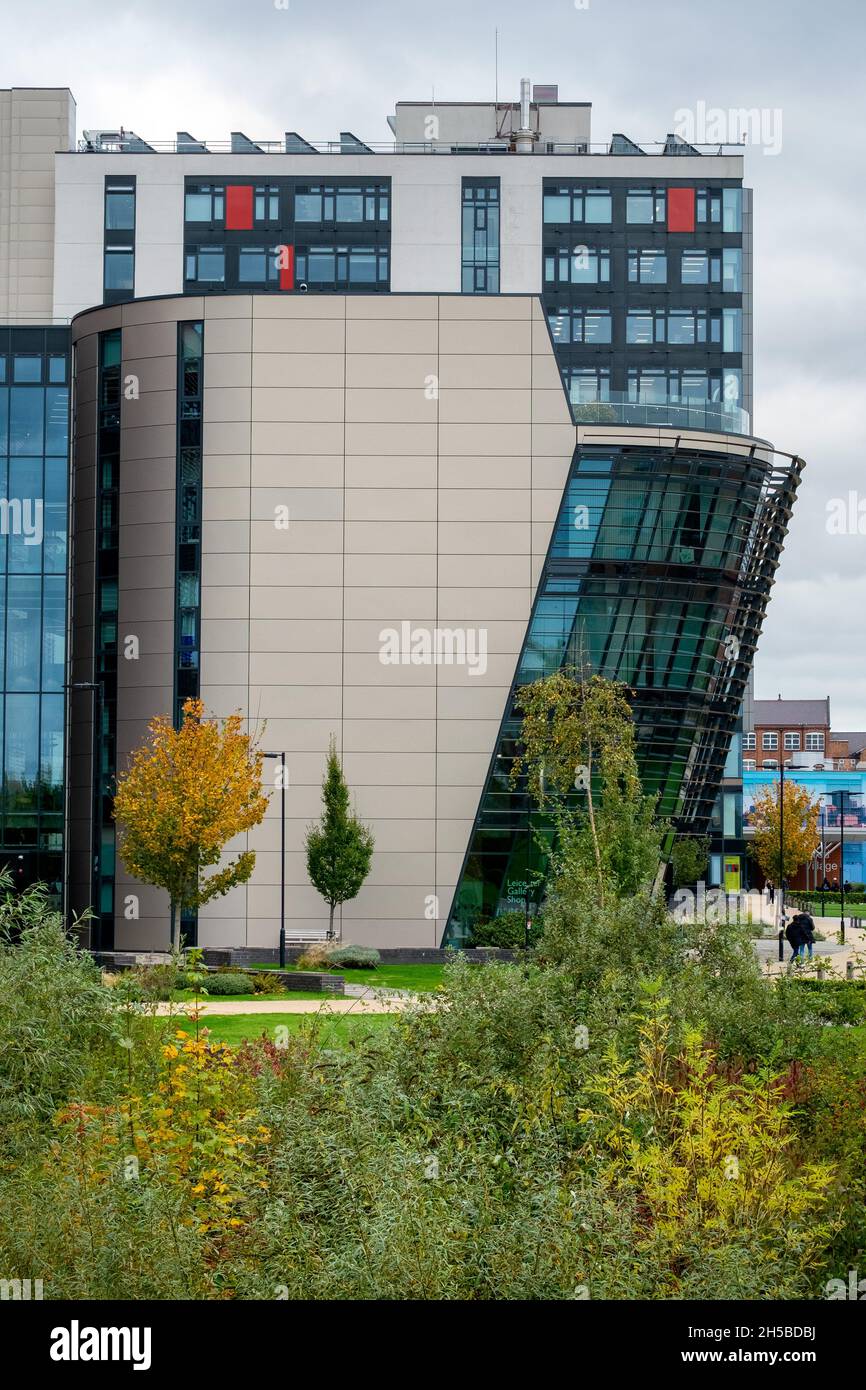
(713, 416)
(117, 143)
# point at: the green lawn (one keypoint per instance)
(411, 977)
(334, 1031)
(832, 909)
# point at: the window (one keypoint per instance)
(118, 275)
(647, 267)
(641, 326)
(708, 205)
(580, 323)
(580, 265)
(557, 207)
(26, 368)
(586, 385)
(342, 203)
(749, 741)
(480, 237)
(769, 741)
(679, 327)
(700, 267)
(732, 270)
(266, 203)
(689, 326)
(206, 264)
(332, 267)
(119, 205)
(205, 203)
(596, 205)
(674, 385)
(732, 387)
(771, 764)
(732, 209)
(188, 498)
(257, 265)
(308, 206)
(119, 272)
(732, 330)
(569, 203)
(749, 765)
(814, 742)
(645, 205)
(792, 743)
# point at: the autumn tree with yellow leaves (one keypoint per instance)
(799, 831)
(186, 793)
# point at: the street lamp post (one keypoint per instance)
(781, 836)
(282, 758)
(842, 797)
(822, 803)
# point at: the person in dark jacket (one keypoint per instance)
(801, 935)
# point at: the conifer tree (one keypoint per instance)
(340, 847)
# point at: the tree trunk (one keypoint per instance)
(590, 806)
(331, 923)
(175, 927)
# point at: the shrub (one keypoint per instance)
(153, 982)
(229, 983)
(313, 957)
(507, 931)
(354, 957)
(55, 1012)
(265, 982)
(834, 1001)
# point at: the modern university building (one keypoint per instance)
(364, 438)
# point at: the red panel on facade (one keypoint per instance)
(681, 209)
(239, 207)
(287, 267)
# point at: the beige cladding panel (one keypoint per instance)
(374, 468)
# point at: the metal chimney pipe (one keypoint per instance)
(524, 103)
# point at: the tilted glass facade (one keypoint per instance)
(34, 440)
(657, 576)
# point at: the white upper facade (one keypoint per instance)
(425, 219)
(435, 146)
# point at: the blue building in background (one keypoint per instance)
(841, 796)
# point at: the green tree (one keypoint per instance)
(340, 847)
(186, 793)
(689, 858)
(578, 736)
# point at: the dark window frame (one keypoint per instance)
(117, 241)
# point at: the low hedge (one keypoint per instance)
(353, 958)
(227, 982)
(836, 1001)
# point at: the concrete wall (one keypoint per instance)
(34, 123)
(421, 445)
(476, 122)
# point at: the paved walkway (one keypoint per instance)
(831, 950)
(222, 1007)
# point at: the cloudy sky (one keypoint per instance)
(319, 66)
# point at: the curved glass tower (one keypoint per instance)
(657, 575)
